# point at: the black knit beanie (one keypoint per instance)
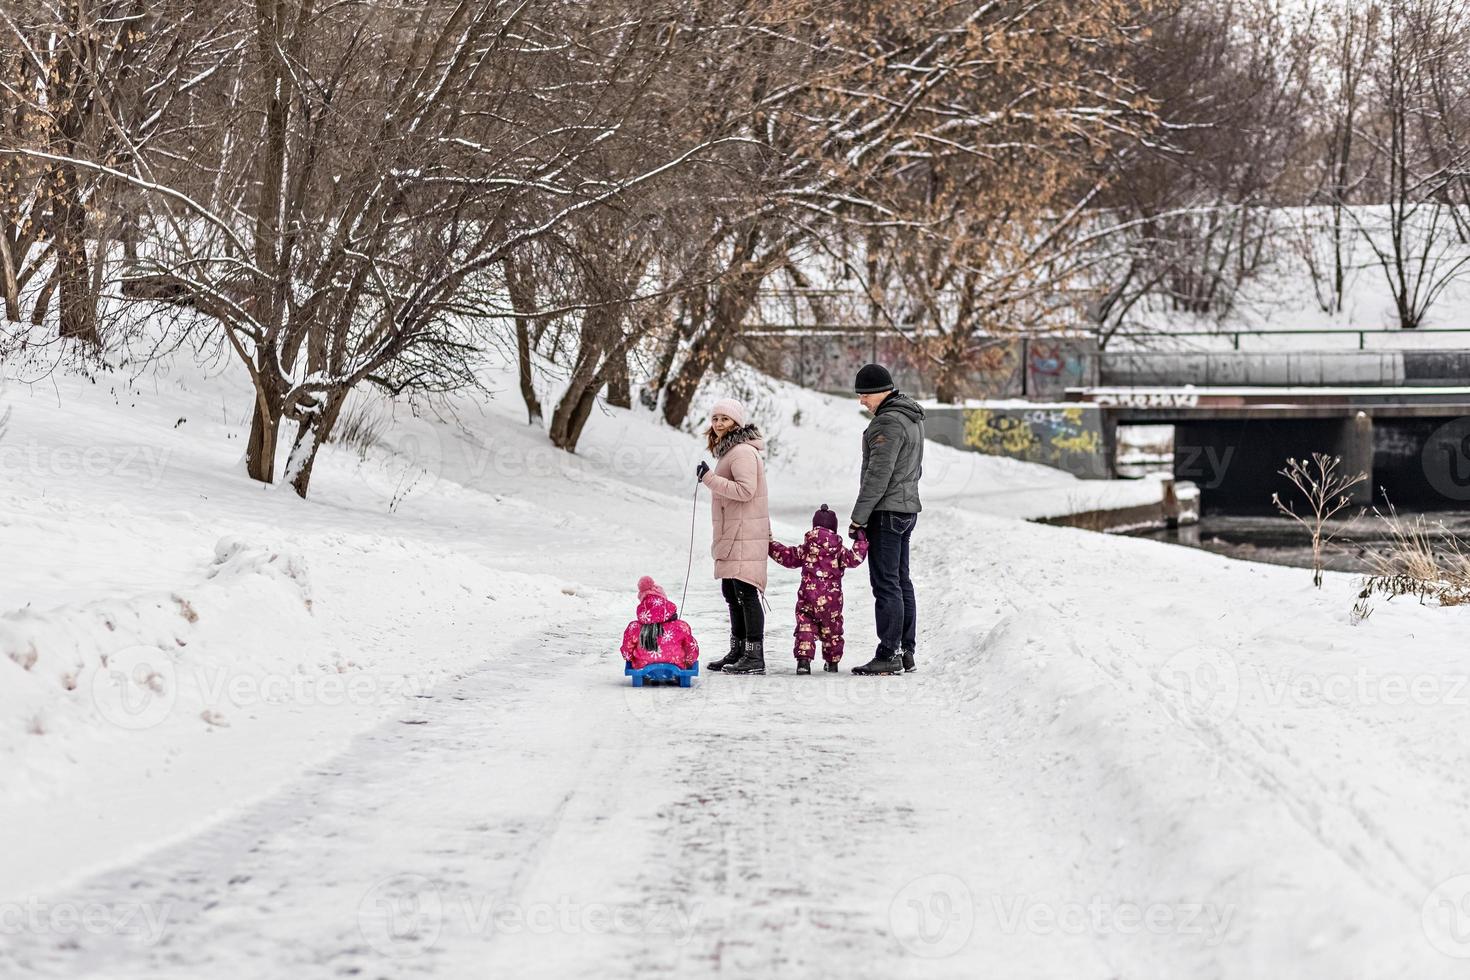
(825, 518)
(873, 378)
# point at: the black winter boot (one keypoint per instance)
(883, 662)
(908, 662)
(830, 666)
(803, 665)
(727, 659)
(752, 661)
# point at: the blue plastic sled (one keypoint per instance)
(662, 674)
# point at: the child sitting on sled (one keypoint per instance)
(658, 635)
(823, 559)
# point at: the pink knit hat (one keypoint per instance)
(646, 584)
(730, 407)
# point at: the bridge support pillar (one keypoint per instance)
(1355, 447)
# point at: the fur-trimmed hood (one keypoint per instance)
(745, 435)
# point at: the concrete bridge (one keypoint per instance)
(1401, 417)
(1413, 444)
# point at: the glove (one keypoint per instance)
(701, 470)
(854, 529)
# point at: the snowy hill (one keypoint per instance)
(274, 728)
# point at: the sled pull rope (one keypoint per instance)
(689, 569)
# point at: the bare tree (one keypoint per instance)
(1340, 99)
(1191, 209)
(341, 202)
(975, 224)
(94, 81)
(1415, 231)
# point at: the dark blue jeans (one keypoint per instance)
(888, 571)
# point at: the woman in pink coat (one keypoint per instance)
(742, 531)
(658, 635)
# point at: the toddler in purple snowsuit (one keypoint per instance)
(822, 559)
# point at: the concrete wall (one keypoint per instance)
(1040, 368)
(1071, 439)
(1436, 367)
(1269, 368)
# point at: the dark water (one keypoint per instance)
(1281, 541)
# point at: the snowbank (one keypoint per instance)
(72, 675)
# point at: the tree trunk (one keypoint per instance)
(78, 304)
(43, 301)
(311, 435)
(571, 413)
(8, 285)
(576, 402)
(949, 385)
(265, 426)
(260, 451)
(523, 300)
(527, 375)
(666, 357)
(576, 418)
(619, 389)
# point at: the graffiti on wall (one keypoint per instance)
(1040, 368)
(1068, 438)
(1148, 399)
(829, 362)
(1053, 365)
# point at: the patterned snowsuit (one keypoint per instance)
(676, 644)
(822, 559)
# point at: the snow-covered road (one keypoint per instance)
(541, 817)
(1043, 799)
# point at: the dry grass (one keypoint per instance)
(1420, 562)
(360, 427)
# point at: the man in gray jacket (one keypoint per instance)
(887, 509)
